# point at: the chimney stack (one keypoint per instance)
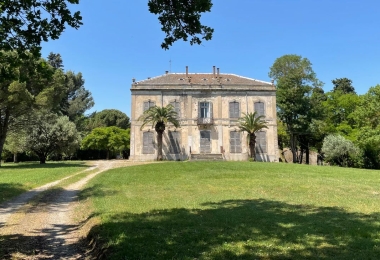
(166, 71)
(187, 71)
(213, 71)
(217, 72)
(133, 80)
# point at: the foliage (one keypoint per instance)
(251, 123)
(180, 19)
(110, 138)
(368, 110)
(26, 83)
(25, 24)
(53, 134)
(16, 142)
(109, 117)
(339, 151)
(295, 81)
(235, 210)
(158, 117)
(343, 85)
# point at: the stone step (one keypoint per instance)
(207, 157)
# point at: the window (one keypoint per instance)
(234, 109)
(235, 142)
(147, 105)
(174, 139)
(261, 142)
(259, 108)
(205, 111)
(177, 108)
(148, 143)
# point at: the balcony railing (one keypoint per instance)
(205, 121)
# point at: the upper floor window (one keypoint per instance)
(205, 109)
(148, 104)
(177, 107)
(259, 108)
(234, 108)
(261, 142)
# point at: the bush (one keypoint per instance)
(340, 151)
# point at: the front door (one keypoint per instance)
(205, 141)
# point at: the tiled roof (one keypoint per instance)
(202, 79)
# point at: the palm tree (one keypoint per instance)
(251, 123)
(159, 117)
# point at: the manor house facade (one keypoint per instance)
(208, 107)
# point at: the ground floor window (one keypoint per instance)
(235, 142)
(261, 142)
(148, 143)
(174, 142)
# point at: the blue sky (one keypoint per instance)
(120, 40)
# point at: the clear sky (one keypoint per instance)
(120, 40)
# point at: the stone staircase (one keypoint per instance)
(207, 157)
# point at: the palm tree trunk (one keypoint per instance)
(159, 145)
(252, 144)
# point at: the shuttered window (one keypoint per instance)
(177, 108)
(148, 104)
(148, 143)
(174, 139)
(261, 142)
(205, 109)
(259, 108)
(235, 142)
(234, 109)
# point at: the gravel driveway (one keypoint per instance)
(47, 229)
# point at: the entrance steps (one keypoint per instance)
(207, 157)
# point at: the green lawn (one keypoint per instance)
(236, 210)
(21, 177)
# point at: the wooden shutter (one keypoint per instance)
(174, 138)
(259, 108)
(148, 143)
(177, 108)
(146, 106)
(211, 110)
(261, 142)
(235, 142)
(234, 109)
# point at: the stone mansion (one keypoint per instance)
(208, 107)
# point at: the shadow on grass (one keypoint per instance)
(241, 229)
(9, 190)
(36, 165)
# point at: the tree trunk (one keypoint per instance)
(307, 154)
(159, 145)
(15, 158)
(42, 159)
(108, 154)
(4, 123)
(252, 144)
(293, 147)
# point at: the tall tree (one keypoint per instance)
(158, 117)
(110, 138)
(109, 117)
(52, 134)
(251, 123)
(344, 85)
(295, 81)
(26, 83)
(55, 60)
(180, 19)
(16, 143)
(25, 24)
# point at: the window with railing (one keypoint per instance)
(205, 113)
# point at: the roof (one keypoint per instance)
(202, 79)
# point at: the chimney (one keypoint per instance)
(187, 71)
(133, 80)
(213, 71)
(166, 71)
(217, 72)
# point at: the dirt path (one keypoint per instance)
(47, 229)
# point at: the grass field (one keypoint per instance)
(236, 210)
(18, 178)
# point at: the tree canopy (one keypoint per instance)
(25, 24)
(109, 117)
(344, 85)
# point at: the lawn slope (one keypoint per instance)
(236, 210)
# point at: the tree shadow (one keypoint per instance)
(241, 229)
(9, 190)
(53, 165)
